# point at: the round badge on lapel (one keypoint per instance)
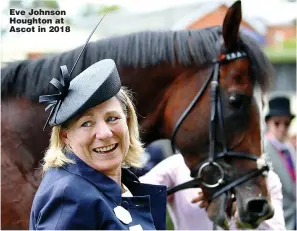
(123, 215)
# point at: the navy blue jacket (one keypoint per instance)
(79, 197)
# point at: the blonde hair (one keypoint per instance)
(55, 157)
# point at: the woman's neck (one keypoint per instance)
(116, 175)
(118, 179)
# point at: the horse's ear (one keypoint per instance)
(231, 26)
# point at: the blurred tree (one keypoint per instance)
(53, 4)
(15, 4)
(88, 9)
(108, 9)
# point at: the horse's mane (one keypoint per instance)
(31, 78)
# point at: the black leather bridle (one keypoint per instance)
(224, 183)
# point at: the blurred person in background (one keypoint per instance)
(154, 153)
(282, 154)
(184, 211)
(293, 133)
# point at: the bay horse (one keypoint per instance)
(165, 70)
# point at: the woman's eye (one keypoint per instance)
(111, 119)
(86, 124)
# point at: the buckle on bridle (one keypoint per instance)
(214, 165)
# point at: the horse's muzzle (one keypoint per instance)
(256, 211)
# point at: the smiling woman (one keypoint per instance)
(94, 139)
(100, 137)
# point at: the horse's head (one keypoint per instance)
(215, 123)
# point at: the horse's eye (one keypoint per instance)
(236, 100)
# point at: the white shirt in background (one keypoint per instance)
(188, 216)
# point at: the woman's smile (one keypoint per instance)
(106, 149)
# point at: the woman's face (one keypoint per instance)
(100, 137)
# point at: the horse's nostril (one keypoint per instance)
(258, 207)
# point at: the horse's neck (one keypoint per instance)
(179, 96)
(151, 88)
(20, 131)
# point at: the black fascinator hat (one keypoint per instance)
(93, 86)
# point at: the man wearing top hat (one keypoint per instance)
(281, 154)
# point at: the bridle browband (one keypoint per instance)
(223, 183)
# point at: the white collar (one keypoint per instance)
(127, 192)
(276, 143)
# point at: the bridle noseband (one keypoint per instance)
(223, 184)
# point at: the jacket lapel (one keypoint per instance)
(107, 185)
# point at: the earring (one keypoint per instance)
(64, 134)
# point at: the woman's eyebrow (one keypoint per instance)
(108, 112)
(87, 114)
(112, 112)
